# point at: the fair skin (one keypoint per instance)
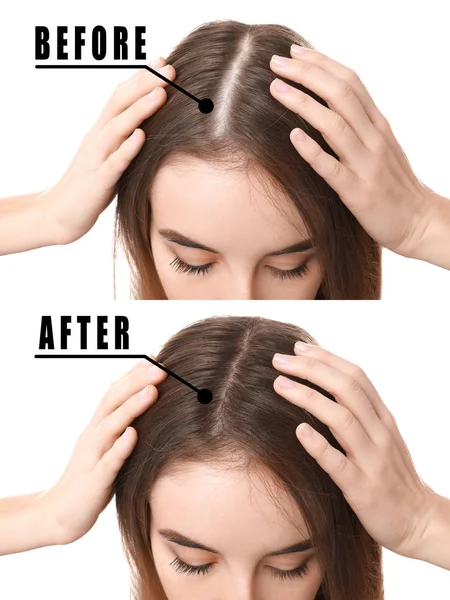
(231, 515)
(373, 177)
(239, 232)
(376, 476)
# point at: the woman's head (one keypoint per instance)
(232, 476)
(221, 205)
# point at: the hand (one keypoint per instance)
(72, 506)
(373, 176)
(74, 204)
(376, 475)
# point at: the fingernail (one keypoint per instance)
(282, 358)
(166, 69)
(285, 383)
(280, 60)
(298, 134)
(298, 49)
(152, 95)
(153, 370)
(280, 86)
(302, 346)
(305, 430)
(143, 393)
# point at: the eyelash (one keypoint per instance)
(183, 567)
(181, 266)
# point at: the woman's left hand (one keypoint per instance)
(376, 475)
(373, 176)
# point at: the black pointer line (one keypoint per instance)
(205, 105)
(204, 396)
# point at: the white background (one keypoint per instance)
(46, 403)
(399, 49)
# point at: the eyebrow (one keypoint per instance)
(182, 540)
(178, 238)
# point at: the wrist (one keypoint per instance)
(433, 544)
(42, 209)
(46, 528)
(432, 240)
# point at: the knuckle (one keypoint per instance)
(352, 78)
(345, 90)
(323, 449)
(351, 384)
(384, 442)
(338, 124)
(341, 464)
(114, 101)
(309, 393)
(390, 422)
(383, 125)
(378, 146)
(305, 66)
(356, 372)
(346, 419)
(302, 98)
(309, 363)
(336, 170)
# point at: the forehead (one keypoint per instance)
(227, 508)
(207, 202)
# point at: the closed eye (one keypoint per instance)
(182, 567)
(300, 271)
(183, 267)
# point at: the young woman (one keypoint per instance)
(285, 485)
(234, 203)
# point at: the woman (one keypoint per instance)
(233, 204)
(223, 500)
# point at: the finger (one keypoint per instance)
(338, 176)
(341, 421)
(133, 369)
(112, 426)
(155, 63)
(337, 92)
(346, 74)
(345, 388)
(341, 470)
(122, 126)
(111, 170)
(339, 135)
(127, 387)
(108, 467)
(352, 79)
(138, 87)
(349, 368)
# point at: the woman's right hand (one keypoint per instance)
(73, 205)
(72, 506)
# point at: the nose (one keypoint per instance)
(241, 588)
(238, 288)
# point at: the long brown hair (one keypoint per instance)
(232, 356)
(228, 62)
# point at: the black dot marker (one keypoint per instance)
(206, 105)
(204, 396)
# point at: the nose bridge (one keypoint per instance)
(243, 586)
(240, 285)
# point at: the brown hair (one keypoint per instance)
(228, 62)
(232, 356)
